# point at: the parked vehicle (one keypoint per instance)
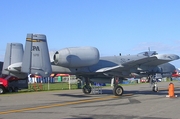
(143, 80)
(12, 84)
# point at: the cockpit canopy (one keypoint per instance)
(148, 53)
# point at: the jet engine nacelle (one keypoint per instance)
(75, 57)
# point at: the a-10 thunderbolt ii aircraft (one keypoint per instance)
(84, 62)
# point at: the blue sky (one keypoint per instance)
(113, 26)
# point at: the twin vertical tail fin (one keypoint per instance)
(13, 59)
(36, 58)
(33, 60)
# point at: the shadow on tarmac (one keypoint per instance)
(149, 92)
(75, 95)
(133, 92)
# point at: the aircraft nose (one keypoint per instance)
(173, 57)
(169, 57)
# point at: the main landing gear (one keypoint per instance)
(117, 90)
(87, 88)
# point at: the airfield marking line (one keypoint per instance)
(62, 104)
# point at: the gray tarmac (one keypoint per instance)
(138, 102)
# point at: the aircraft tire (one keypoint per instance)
(86, 89)
(118, 90)
(2, 90)
(155, 89)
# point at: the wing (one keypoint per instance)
(148, 61)
(154, 60)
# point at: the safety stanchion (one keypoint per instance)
(171, 91)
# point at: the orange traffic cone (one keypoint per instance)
(171, 91)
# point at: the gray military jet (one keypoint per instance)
(84, 62)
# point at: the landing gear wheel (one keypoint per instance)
(86, 89)
(118, 90)
(155, 88)
(2, 90)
